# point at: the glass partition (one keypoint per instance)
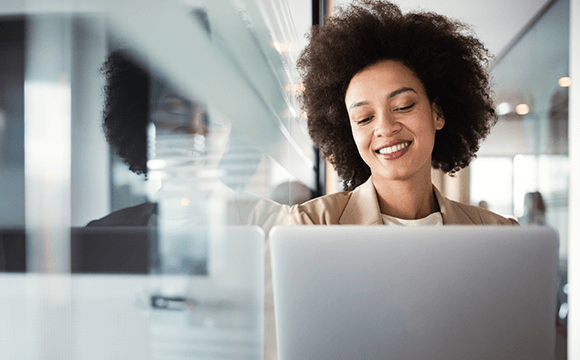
(171, 129)
(530, 83)
(526, 154)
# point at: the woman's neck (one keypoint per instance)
(406, 199)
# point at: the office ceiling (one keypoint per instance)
(496, 22)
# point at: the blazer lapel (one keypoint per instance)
(362, 207)
(451, 213)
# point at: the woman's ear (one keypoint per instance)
(439, 118)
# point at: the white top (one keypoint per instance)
(432, 219)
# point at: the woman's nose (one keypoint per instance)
(386, 126)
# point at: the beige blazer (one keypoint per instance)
(361, 207)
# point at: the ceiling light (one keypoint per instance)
(277, 46)
(564, 81)
(281, 47)
(522, 109)
(156, 164)
(503, 108)
(156, 175)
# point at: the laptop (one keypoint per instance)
(452, 292)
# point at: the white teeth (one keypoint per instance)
(392, 149)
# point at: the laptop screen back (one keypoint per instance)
(353, 292)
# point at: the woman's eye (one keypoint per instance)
(405, 108)
(359, 122)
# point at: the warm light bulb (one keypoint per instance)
(522, 109)
(564, 81)
(184, 201)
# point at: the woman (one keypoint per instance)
(534, 209)
(388, 96)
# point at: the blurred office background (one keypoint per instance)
(219, 108)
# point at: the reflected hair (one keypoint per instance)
(126, 109)
(442, 53)
(129, 92)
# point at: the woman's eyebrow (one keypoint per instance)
(400, 91)
(390, 96)
(358, 103)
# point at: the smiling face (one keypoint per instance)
(393, 122)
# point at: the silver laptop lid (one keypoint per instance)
(376, 292)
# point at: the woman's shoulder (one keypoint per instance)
(484, 217)
(456, 213)
(137, 215)
(324, 210)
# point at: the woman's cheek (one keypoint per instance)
(357, 136)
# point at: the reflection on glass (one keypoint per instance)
(198, 173)
(531, 90)
(202, 295)
(172, 113)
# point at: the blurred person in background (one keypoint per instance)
(483, 204)
(534, 209)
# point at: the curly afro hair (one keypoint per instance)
(128, 95)
(126, 109)
(448, 60)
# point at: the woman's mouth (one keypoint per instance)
(393, 149)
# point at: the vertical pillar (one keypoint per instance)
(47, 143)
(574, 194)
(90, 153)
(47, 181)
